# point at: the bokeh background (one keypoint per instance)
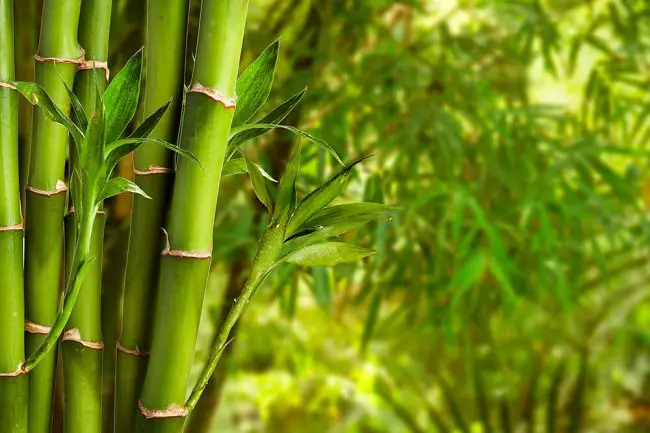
(509, 290)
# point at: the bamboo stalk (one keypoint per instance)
(26, 40)
(185, 262)
(82, 362)
(13, 384)
(165, 55)
(45, 197)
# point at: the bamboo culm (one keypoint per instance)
(82, 355)
(186, 259)
(56, 63)
(13, 384)
(165, 54)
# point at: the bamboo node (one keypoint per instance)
(17, 372)
(7, 85)
(11, 228)
(135, 352)
(35, 328)
(76, 61)
(172, 411)
(182, 254)
(215, 95)
(73, 334)
(85, 65)
(153, 169)
(60, 187)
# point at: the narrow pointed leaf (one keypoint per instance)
(234, 166)
(298, 132)
(254, 84)
(120, 148)
(319, 198)
(77, 108)
(351, 212)
(327, 254)
(36, 95)
(118, 185)
(286, 198)
(145, 129)
(121, 97)
(277, 115)
(259, 184)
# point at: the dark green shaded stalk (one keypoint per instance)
(13, 384)
(82, 362)
(45, 198)
(26, 42)
(185, 264)
(164, 62)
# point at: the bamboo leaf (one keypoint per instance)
(36, 95)
(298, 132)
(319, 198)
(259, 185)
(118, 185)
(145, 129)
(234, 166)
(77, 108)
(286, 199)
(121, 97)
(321, 287)
(117, 150)
(254, 84)
(351, 212)
(319, 234)
(277, 115)
(327, 254)
(371, 319)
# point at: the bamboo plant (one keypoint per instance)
(13, 384)
(56, 63)
(165, 55)
(82, 344)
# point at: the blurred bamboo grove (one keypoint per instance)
(505, 199)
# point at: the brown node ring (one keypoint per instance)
(171, 411)
(7, 85)
(134, 352)
(229, 102)
(17, 372)
(60, 187)
(168, 251)
(74, 335)
(153, 169)
(76, 61)
(12, 228)
(35, 328)
(85, 65)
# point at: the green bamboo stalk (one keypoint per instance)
(165, 56)
(82, 355)
(185, 262)
(13, 384)
(45, 197)
(26, 41)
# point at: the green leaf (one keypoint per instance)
(277, 115)
(254, 84)
(327, 254)
(351, 212)
(470, 273)
(319, 198)
(145, 129)
(298, 132)
(120, 148)
(322, 289)
(259, 184)
(234, 166)
(319, 234)
(77, 108)
(92, 148)
(121, 97)
(36, 95)
(285, 201)
(118, 185)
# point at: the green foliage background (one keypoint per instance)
(509, 288)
